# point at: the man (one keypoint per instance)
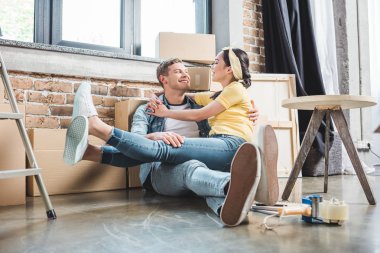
(229, 195)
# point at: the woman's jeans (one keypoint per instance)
(216, 152)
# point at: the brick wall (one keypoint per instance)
(253, 34)
(49, 99)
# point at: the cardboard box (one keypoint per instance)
(377, 130)
(60, 178)
(124, 111)
(200, 78)
(186, 46)
(12, 156)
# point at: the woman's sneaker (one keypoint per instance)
(76, 140)
(83, 104)
(245, 176)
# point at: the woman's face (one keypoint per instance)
(219, 68)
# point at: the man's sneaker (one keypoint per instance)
(267, 192)
(83, 104)
(245, 176)
(76, 140)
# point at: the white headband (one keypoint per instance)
(235, 64)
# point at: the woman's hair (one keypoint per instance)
(163, 68)
(244, 63)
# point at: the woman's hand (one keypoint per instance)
(153, 103)
(160, 111)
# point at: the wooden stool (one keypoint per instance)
(328, 105)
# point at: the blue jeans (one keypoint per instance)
(180, 179)
(216, 152)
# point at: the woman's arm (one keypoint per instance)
(206, 112)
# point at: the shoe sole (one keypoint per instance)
(243, 185)
(270, 150)
(76, 140)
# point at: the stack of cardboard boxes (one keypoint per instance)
(197, 48)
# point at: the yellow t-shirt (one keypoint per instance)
(234, 120)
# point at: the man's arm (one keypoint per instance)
(140, 123)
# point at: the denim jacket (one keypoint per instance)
(144, 123)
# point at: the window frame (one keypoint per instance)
(48, 25)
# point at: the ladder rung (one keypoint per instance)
(11, 115)
(19, 173)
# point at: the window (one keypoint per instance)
(82, 21)
(17, 20)
(129, 26)
(173, 16)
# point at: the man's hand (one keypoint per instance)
(169, 138)
(253, 114)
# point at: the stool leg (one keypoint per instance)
(308, 139)
(327, 144)
(341, 124)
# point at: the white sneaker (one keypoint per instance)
(245, 177)
(268, 190)
(83, 104)
(76, 140)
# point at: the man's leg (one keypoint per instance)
(194, 176)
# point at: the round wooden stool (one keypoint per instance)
(328, 105)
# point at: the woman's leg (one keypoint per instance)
(109, 155)
(216, 153)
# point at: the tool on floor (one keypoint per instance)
(34, 170)
(313, 210)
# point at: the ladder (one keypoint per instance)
(34, 170)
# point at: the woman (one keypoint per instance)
(227, 110)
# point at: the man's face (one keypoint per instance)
(177, 78)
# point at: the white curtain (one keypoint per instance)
(324, 30)
(374, 42)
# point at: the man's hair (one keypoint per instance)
(163, 68)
